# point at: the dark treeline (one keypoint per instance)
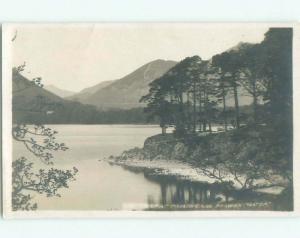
(192, 95)
(76, 113)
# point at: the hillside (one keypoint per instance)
(84, 94)
(58, 91)
(33, 104)
(26, 93)
(125, 93)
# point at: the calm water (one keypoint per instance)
(101, 186)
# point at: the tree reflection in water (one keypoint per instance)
(178, 193)
(181, 192)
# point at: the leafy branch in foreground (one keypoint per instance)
(46, 137)
(44, 182)
(41, 142)
(35, 82)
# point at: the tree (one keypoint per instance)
(175, 96)
(40, 141)
(209, 90)
(158, 104)
(277, 75)
(277, 78)
(222, 91)
(43, 182)
(230, 64)
(25, 134)
(168, 97)
(250, 74)
(193, 72)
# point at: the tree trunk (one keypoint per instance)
(255, 109)
(254, 94)
(224, 108)
(205, 111)
(209, 126)
(200, 110)
(163, 189)
(194, 107)
(188, 113)
(204, 125)
(236, 103)
(181, 114)
(163, 130)
(208, 114)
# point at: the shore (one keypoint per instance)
(132, 159)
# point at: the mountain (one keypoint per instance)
(59, 92)
(34, 104)
(24, 91)
(87, 92)
(125, 93)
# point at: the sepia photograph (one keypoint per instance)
(147, 118)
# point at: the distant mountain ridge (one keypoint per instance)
(126, 92)
(85, 93)
(34, 104)
(58, 91)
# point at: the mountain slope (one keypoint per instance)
(36, 105)
(59, 92)
(125, 93)
(87, 92)
(33, 104)
(26, 93)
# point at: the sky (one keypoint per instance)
(74, 57)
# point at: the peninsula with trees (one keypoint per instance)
(250, 148)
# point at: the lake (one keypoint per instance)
(102, 186)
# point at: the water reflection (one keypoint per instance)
(178, 193)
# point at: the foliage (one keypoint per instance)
(42, 150)
(246, 155)
(41, 142)
(175, 97)
(277, 72)
(43, 182)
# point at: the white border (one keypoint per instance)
(7, 141)
(6, 120)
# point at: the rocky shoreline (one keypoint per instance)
(167, 155)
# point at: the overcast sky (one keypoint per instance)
(75, 57)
